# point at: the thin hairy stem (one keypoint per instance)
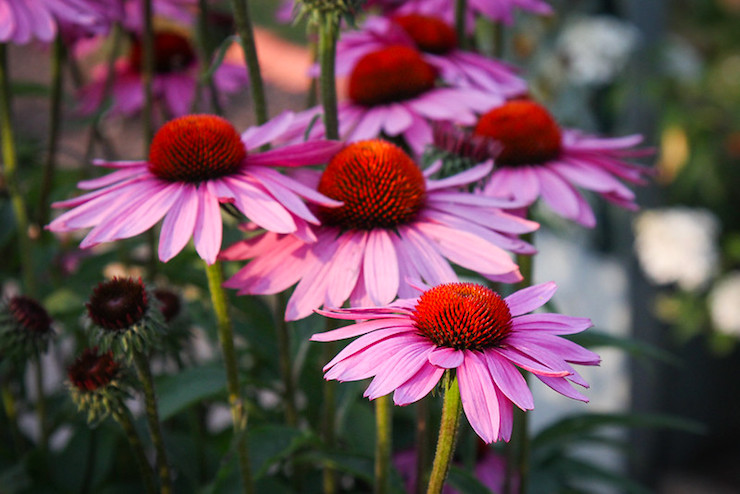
(447, 437)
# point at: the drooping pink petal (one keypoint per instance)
(509, 380)
(478, 396)
(178, 225)
(345, 271)
(393, 373)
(380, 267)
(447, 358)
(563, 387)
(418, 386)
(208, 229)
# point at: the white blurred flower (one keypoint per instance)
(724, 304)
(677, 245)
(596, 48)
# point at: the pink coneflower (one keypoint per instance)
(437, 41)
(175, 82)
(24, 20)
(393, 91)
(395, 224)
(407, 346)
(539, 159)
(496, 10)
(196, 162)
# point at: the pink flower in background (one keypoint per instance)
(24, 20)
(407, 346)
(181, 11)
(395, 224)
(393, 91)
(496, 10)
(195, 163)
(539, 159)
(175, 79)
(437, 41)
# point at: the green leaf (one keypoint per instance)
(272, 443)
(573, 427)
(178, 392)
(592, 339)
(465, 482)
(572, 468)
(218, 58)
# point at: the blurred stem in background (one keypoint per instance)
(246, 40)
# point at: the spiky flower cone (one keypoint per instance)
(98, 384)
(25, 328)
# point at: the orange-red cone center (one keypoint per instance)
(526, 131)
(431, 35)
(464, 316)
(380, 185)
(394, 73)
(195, 148)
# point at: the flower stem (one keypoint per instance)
(226, 338)
(205, 47)
(123, 417)
(286, 367)
(10, 160)
(152, 417)
(41, 402)
(447, 438)
(246, 40)
(383, 443)
(328, 32)
(423, 441)
(461, 7)
(11, 413)
(55, 113)
(517, 451)
(329, 417)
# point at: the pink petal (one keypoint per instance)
(530, 298)
(404, 365)
(563, 387)
(208, 227)
(418, 386)
(345, 270)
(528, 363)
(255, 137)
(305, 153)
(178, 225)
(479, 398)
(551, 323)
(380, 267)
(361, 328)
(447, 358)
(509, 380)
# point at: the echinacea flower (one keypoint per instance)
(407, 346)
(394, 92)
(175, 81)
(98, 384)
(437, 41)
(122, 318)
(496, 10)
(195, 163)
(25, 328)
(395, 224)
(24, 20)
(537, 158)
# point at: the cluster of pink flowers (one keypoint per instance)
(372, 225)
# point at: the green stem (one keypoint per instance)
(517, 451)
(123, 417)
(11, 412)
(55, 114)
(41, 402)
(328, 32)
(286, 367)
(10, 160)
(423, 449)
(205, 47)
(461, 7)
(147, 74)
(328, 414)
(447, 437)
(226, 338)
(152, 417)
(383, 443)
(246, 40)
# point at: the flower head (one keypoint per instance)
(436, 42)
(25, 328)
(175, 81)
(407, 346)
(121, 317)
(97, 383)
(537, 158)
(195, 163)
(496, 10)
(394, 224)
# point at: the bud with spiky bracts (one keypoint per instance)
(123, 319)
(98, 384)
(457, 149)
(25, 328)
(316, 9)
